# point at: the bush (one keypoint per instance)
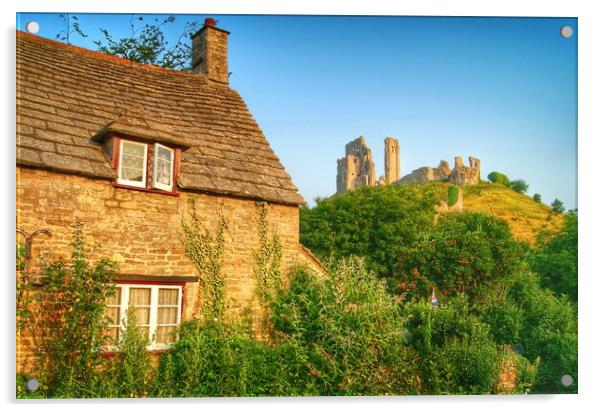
(549, 333)
(500, 178)
(464, 253)
(351, 331)
(68, 324)
(519, 186)
(537, 197)
(557, 206)
(371, 222)
(556, 258)
(452, 195)
(457, 354)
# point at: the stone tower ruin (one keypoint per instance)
(356, 169)
(392, 163)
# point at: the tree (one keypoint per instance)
(555, 260)
(557, 206)
(519, 186)
(537, 197)
(497, 177)
(145, 44)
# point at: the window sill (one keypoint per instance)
(143, 189)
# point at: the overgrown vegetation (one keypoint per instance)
(519, 186)
(205, 250)
(453, 192)
(366, 327)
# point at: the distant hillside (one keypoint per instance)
(524, 216)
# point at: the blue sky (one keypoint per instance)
(501, 89)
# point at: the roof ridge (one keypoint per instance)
(104, 56)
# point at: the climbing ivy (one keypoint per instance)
(268, 260)
(205, 250)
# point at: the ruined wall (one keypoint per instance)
(142, 228)
(460, 175)
(392, 162)
(356, 169)
(466, 175)
(428, 174)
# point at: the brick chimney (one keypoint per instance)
(210, 52)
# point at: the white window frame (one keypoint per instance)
(127, 182)
(154, 309)
(156, 184)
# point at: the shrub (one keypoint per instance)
(537, 197)
(68, 323)
(557, 206)
(452, 195)
(372, 222)
(556, 258)
(497, 177)
(456, 352)
(463, 253)
(351, 332)
(519, 186)
(549, 333)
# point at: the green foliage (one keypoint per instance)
(452, 195)
(372, 222)
(349, 330)
(549, 333)
(268, 259)
(457, 354)
(68, 322)
(463, 253)
(555, 259)
(129, 372)
(519, 186)
(205, 250)
(499, 178)
(147, 44)
(537, 198)
(557, 206)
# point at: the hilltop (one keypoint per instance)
(525, 217)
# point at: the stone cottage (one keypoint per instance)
(123, 146)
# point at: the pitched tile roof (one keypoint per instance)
(67, 96)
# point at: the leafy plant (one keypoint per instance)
(519, 186)
(557, 206)
(499, 178)
(67, 322)
(537, 198)
(452, 195)
(205, 250)
(147, 44)
(556, 258)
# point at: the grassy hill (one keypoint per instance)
(524, 216)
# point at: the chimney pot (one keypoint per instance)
(210, 21)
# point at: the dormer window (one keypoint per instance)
(132, 163)
(163, 167)
(146, 153)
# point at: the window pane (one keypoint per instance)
(167, 316)
(166, 334)
(133, 149)
(163, 153)
(142, 316)
(113, 315)
(163, 172)
(131, 174)
(132, 162)
(168, 296)
(140, 296)
(115, 300)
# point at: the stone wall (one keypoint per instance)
(428, 174)
(460, 175)
(141, 228)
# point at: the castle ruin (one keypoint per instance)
(356, 169)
